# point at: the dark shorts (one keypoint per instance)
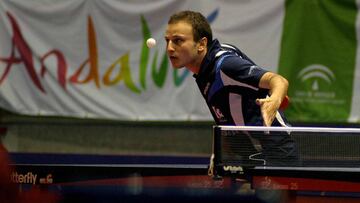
(277, 149)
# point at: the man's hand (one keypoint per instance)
(278, 87)
(268, 107)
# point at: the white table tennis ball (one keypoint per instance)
(151, 42)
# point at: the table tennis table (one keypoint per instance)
(328, 166)
(123, 178)
(136, 178)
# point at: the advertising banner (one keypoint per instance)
(318, 55)
(89, 59)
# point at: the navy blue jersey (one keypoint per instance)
(229, 82)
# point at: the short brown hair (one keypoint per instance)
(200, 25)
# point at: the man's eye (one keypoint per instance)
(177, 41)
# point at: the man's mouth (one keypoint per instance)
(173, 58)
(174, 61)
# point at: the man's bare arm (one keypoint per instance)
(278, 87)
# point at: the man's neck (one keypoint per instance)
(195, 68)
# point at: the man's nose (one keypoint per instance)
(170, 47)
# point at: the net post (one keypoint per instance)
(216, 150)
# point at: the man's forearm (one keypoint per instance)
(277, 85)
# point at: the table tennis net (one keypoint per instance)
(314, 147)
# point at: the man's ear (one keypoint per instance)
(202, 44)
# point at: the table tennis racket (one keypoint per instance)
(285, 103)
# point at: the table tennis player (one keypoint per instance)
(236, 90)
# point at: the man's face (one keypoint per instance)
(180, 45)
